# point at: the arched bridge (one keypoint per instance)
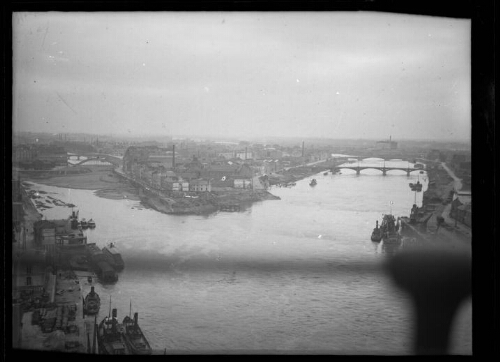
(384, 169)
(115, 161)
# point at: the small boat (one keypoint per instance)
(416, 187)
(390, 230)
(110, 337)
(83, 223)
(326, 173)
(91, 223)
(92, 302)
(313, 182)
(135, 339)
(73, 218)
(376, 233)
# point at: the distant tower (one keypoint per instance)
(173, 158)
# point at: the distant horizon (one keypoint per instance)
(351, 75)
(208, 137)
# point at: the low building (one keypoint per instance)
(57, 233)
(175, 186)
(28, 271)
(242, 183)
(200, 185)
(220, 172)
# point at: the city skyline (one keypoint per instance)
(246, 75)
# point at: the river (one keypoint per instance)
(285, 276)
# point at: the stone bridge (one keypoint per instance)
(384, 169)
(115, 161)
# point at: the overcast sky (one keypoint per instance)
(243, 74)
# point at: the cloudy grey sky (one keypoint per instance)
(298, 74)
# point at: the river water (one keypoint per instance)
(286, 276)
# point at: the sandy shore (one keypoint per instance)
(105, 184)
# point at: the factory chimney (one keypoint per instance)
(173, 157)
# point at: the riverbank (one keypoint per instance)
(107, 184)
(439, 196)
(104, 182)
(211, 202)
(298, 173)
(440, 185)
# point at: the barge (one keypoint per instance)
(114, 256)
(101, 263)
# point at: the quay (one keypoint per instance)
(48, 292)
(59, 325)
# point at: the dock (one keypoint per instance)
(62, 326)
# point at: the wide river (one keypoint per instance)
(284, 276)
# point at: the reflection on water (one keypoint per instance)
(287, 274)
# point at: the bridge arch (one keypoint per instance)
(383, 169)
(94, 161)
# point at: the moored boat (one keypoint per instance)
(83, 223)
(91, 303)
(134, 337)
(91, 223)
(73, 218)
(110, 336)
(106, 272)
(390, 230)
(313, 182)
(416, 187)
(114, 256)
(376, 233)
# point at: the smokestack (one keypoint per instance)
(173, 158)
(114, 313)
(136, 317)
